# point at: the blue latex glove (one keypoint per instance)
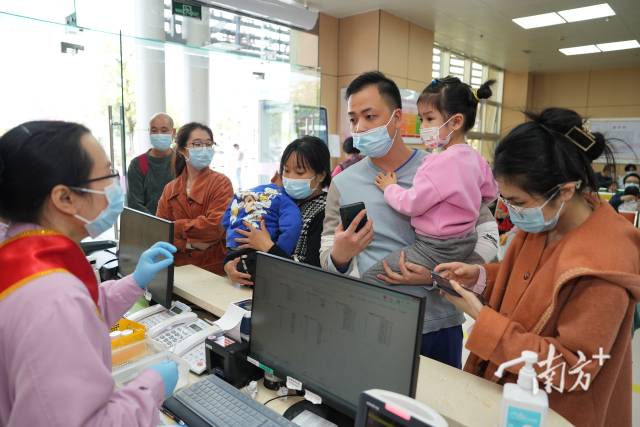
(152, 261)
(168, 370)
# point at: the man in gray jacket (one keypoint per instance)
(374, 106)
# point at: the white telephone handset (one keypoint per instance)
(176, 320)
(191, 341)
(176, 308)
(145, 312)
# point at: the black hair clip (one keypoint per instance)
(435, 81)
(582, 139)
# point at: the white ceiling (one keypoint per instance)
(483, 29)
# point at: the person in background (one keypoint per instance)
(568, 286)
(375, 115)
(353, 156)
(238, 160)
(631, 202)
(606, 179)
(628, 169)
(49, 296)
(196, 201)
(150, 172)
(305, 173)
(631, 180)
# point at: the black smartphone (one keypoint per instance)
(442, 283)
(247, 265)
(348, 214)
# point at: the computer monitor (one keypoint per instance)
(138, 231)
(337, 335)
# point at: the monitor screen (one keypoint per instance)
(335, 334)
(138, 231)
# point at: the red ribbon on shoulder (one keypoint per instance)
(36, 253)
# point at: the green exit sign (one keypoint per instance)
(188, 10)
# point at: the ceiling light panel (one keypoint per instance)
(627, 44)
(580, 50)
(585, 13)
(537, 21)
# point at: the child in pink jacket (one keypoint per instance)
(450, 185)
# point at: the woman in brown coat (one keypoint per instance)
(196, 201)
(568, 285)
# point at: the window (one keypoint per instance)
(436, 62)
(242, 34)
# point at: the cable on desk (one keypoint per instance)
(278, 397)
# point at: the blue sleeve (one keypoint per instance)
(616, 201)
(226, 223)
(289, 224)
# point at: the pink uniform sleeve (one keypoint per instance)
(59, 365)
(116, 297)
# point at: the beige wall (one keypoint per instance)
(328, 63)
(603, 93)
(515, 98)
(406, 52)
(358, 43)
(378, 40)
(593, 94)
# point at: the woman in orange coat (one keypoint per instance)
(568, 285)
(196, 201)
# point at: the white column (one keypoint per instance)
(150, 64)
(195, 101)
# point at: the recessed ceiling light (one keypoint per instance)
(627, 44)
(580, 50)
(537, 21)
(589, 12)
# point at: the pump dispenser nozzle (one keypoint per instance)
(527, 378)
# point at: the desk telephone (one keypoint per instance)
(180, 330)
(155, 314)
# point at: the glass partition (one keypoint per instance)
(53, 71)
(233, 73)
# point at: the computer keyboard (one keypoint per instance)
(220, 404)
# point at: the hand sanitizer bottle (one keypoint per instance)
(523, 404)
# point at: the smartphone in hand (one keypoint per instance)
(445, 285)
(348, 214)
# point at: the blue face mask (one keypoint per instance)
(108, 217)
(160, 141)
(200, 158)
(298, 189)
(375, 142)
(532, 220)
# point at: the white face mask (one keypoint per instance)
(431, 136)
